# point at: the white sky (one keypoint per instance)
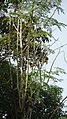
(62, 40)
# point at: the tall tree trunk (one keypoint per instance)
(17, 54)
(13, 103)
(27, 75)
(9, 40)
(10, 73)
(21, 65)
(21, 59)
(21, 94)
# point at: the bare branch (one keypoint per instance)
(53, 43)
(60, 47)
(15, 27)
(64, 56)
(53, 13)
(52, 65)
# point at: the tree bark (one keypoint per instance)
(9, 40)
(17, 54)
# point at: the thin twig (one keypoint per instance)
(53, 13)
(53, 43)
(64, 56)
(15, 27)
(52, 65)
(60, 47)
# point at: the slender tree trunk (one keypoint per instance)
(27, 75)
(10, 73)
(13, 106)
(29, 113)
(21, 65)
(18, 37)
(21, 58)
(17, 54)
(21, 94)
(9, 40)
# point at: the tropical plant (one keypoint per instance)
(26, 28)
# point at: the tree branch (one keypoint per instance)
(53, 112)
(52, 65)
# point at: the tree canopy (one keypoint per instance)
(25, 31)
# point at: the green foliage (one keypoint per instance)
(48, 100)
(8, 97)
(62, 117)
(34, 14)
(33, 98)
(41, 99)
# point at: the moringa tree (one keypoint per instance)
(28, 29)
